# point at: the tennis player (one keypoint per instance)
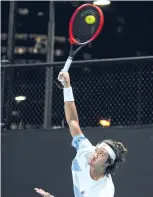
(92, 166)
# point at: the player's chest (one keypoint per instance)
(86, 186)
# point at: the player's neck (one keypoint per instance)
(96, 174)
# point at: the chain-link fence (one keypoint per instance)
(119, 90)
(24, 97)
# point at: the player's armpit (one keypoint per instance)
(74, 128)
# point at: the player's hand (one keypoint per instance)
(43, 193)
(64, 78)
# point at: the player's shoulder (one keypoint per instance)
(110, 188)
(80, 142)
(109, 180)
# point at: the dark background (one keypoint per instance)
(43, 159)
(128, 30)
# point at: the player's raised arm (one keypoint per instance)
(69, 105)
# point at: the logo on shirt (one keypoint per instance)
(83, 192)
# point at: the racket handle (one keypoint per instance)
(67, 64)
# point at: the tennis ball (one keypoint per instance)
(90, 19)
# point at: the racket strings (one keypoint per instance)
(84, 36)
(83, 31)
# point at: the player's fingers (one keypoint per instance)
(49, 195)
(60, 76)
(38, 189)
(63, 73)
(42, 193)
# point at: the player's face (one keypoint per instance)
(99, 158)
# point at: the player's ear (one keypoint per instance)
(107, 163)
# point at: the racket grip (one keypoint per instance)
(67, 64)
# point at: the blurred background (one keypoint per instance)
(128, 31)
(112, 80)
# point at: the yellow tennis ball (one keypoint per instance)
(90, 19)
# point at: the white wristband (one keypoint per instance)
(68, 94)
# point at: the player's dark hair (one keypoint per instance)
(120, 152)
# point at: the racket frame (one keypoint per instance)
(101, 23)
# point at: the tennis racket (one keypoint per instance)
(85, 25)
